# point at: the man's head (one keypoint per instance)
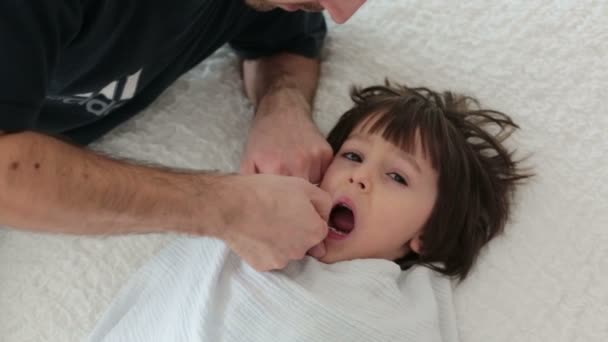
(419, 178)
(340, 10)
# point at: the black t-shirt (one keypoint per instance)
(78, 68)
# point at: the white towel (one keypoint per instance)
(198, 290)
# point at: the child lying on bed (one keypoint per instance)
(418, 178)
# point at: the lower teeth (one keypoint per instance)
(337, 231)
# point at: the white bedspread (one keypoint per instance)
(197, 290)
(544, 62)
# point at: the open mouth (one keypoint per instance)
(341, 220)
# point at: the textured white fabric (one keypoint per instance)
(198, 290)
(544, 62)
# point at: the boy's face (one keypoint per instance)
(382, 198)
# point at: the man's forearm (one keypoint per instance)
(270, 76)
(47, 185)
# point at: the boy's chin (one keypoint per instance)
(329, 257)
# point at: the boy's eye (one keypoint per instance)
(352, 156)
(397, 178)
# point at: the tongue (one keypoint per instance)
(343, 220)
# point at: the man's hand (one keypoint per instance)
(271, 220)
(284, 140)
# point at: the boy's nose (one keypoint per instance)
(361, 182)
(341, 10)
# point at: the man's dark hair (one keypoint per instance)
(477, 174)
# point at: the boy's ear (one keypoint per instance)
(415, 243)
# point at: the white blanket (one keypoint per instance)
(198, 290)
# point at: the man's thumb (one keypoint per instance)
(318, 251)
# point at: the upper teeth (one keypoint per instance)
(343, 205)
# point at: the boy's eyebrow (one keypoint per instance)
(404, 155)
(410, 159)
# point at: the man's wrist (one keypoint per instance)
(267, 76)
(283, 102)
(212, 204)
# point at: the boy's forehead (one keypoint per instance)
(368, 122)
(367, 128)
(411, 156)
(367, 136)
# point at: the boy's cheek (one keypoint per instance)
(328, 179)
(324, 184)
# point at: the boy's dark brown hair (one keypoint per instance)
(477, 174)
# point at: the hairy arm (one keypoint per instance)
(281, 74)
(50, 186)
(283, 138)
(47, 185)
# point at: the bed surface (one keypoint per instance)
(543, 62)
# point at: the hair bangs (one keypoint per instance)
(408, 124)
